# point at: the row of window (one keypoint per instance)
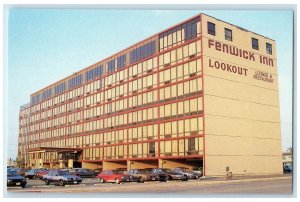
(211, 29)
(188, 146)
(173, 91)
(174, 74)
(169, 57)
(94, 73)
(179, 34)
(142, 52)
(183, 32)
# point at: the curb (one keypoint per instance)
(42, 186)
(77, 185)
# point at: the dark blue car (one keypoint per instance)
(14, 179)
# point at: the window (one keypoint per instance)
(151, 147)
(255, 43)
(191, 144)
(111, 66)
(269, 48)
(121, 61)
(228, 34)
(190, 29)
(142, 52)
(211, 28)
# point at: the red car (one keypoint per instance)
(116, 176)
(40, 174)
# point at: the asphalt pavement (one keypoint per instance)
(263, 184)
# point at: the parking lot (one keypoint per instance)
(277, 184)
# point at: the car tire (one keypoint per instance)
(141, 180)
(93, 176)
(101, 180)
(47, 182)
(185, 178)
(117, 181)
(166, 178)
(23, 185)
(61, 183)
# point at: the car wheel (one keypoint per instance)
(117, 181)
(61, 183)
(23, 185)
(141, 180)
(185, 178)
(47, 182)
(167, 178)
(93, 176)
(101, 180)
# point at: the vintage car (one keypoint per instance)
(116, 176)
(166, 174)
(142, 175)
(61, 178)
(32, 173)
(14, 179)
(41, 173)
(83, 172)
(189, 173)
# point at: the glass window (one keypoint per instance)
(191, 144)
(151, 147)
(255, 43)
(269, 48)
(211, 28)
(228, 34)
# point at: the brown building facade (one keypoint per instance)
(203, 93)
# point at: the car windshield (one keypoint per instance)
(12, 173)
(184, 169)
(118, 172)
(63, 173)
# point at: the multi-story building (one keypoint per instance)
(203, 93)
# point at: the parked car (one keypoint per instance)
(82, 172)
(39, 174)
(14, 179)
(287, 168)
(32, 173)
(61, 178)
(189, 173)
(22, 171)
(166, 174)
(198, 170)
(116, 176)
(141, 175)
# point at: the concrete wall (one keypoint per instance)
(241, 113)
(89, 165)
(173, 163)
(112, 165)
(142, 164)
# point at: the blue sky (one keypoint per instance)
(46, 45)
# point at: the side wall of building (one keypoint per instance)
(241, 103)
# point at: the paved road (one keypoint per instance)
(281, 184)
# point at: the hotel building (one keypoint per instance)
(203, 93)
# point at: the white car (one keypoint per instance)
(61, 177)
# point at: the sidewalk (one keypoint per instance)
(245, 177)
